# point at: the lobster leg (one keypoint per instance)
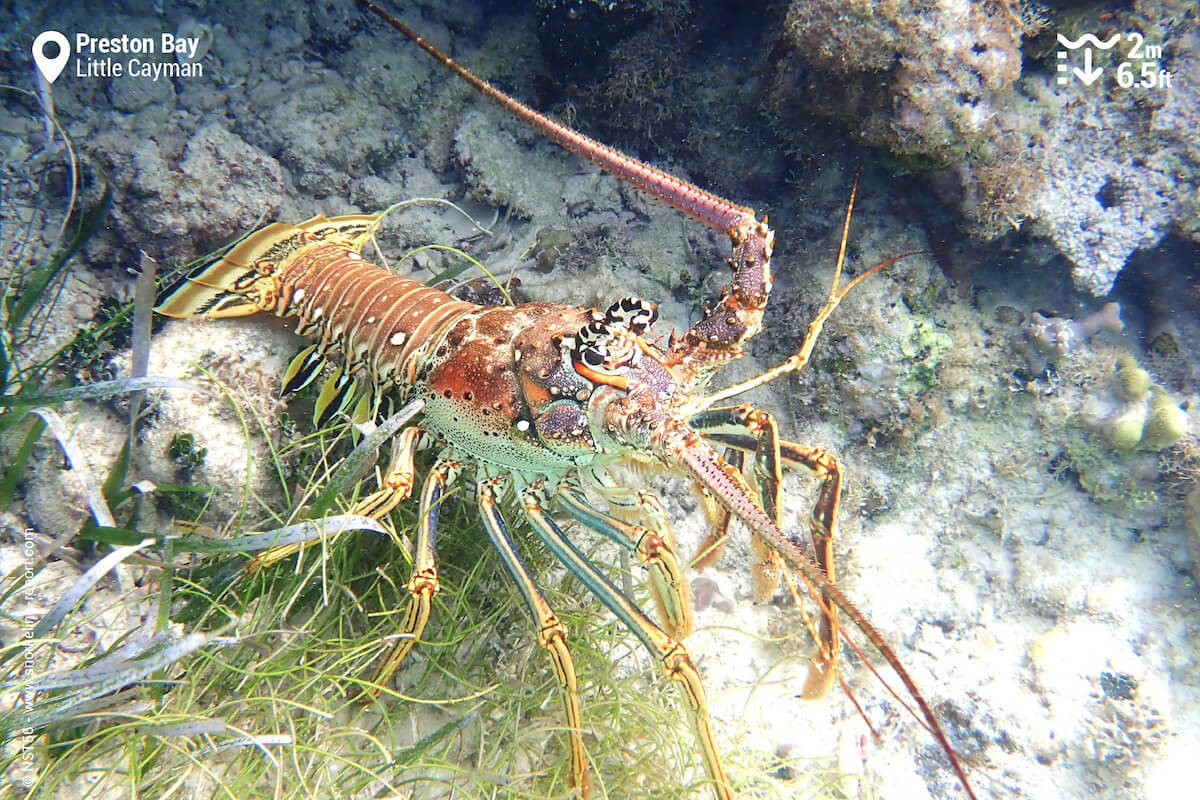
(773, 452)
(768, 567)
(822, 527)
(423, 584)
(768, 477)
(396, 485)
(686, 449)
(672, 655)
(552, 634)
(393, 489)
(654, 545)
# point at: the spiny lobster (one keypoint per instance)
(542, 399)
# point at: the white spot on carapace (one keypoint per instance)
(318, 312)
(522, 425)
(298, 296)
(516, 354)
(370, 320)
(353, 256)
(397, 339)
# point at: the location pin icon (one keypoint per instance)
(51, 66)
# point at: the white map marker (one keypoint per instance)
(51, 67)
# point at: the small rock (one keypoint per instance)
(131, 94)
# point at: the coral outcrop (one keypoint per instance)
(219, 186)
(948, 67)
(1100, 170)
(927, 81)
(1054, 337)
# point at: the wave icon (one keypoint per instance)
(1088, 38)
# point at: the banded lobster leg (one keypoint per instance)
(654, 545)
(721, 517)
(671, 655)
(423, 584)
(686, 450)
(771, 454)
(768, 567)
(395, 486)
(552, 634)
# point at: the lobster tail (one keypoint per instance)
(244, 280)
(214, 290)
(385, 325)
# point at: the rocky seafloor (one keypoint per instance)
(1022, 511)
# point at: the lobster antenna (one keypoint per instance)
(731, 491)
(705, 207)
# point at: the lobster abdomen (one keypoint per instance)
(382, 323)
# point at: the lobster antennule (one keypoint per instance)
(683, 447)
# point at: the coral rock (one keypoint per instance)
(1132, 381)
(1125, 429)
(1166, 424)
